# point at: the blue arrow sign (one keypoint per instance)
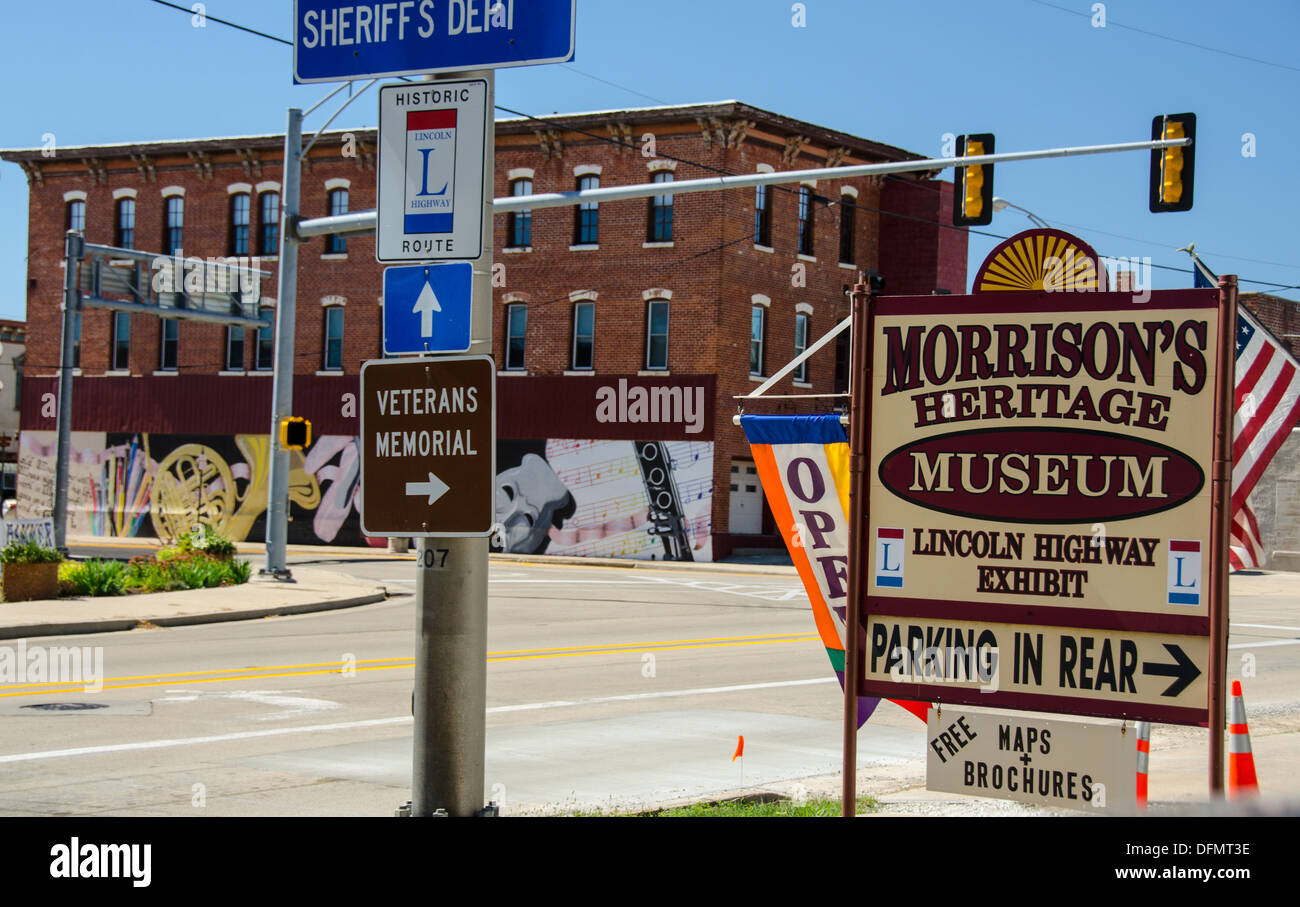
(334, 40)
(427, 308)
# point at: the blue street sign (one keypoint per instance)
(336, 40)
(427, 308)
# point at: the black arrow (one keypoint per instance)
(1183, 669)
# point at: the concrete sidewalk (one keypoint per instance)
(314, 589)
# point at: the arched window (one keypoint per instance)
(268, 222)
(763, 216)
(239, 222)
(124, 224)
(76, 219)
(656, 334)
(584, 335)
(519, 224)
(806, 220)
(516, 331)
(173, 224)
(586, 216)
(661, 211)
(848, 208)
(338, 204)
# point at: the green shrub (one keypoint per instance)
(238, 572)
(29, 552)
(208, 540)
(96, 578)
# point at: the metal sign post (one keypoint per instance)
(1221, 502)
(437, 417)
(74, 249)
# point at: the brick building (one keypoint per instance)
(621, 332)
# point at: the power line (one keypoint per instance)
(1142, 31)
(252, 31)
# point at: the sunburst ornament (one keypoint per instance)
(1042, 260)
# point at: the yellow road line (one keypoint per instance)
(491, 657)
(627, 649)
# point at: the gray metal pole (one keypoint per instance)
(451, 604)
(277, 496)
(73, 248)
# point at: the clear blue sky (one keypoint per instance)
(1036, 73)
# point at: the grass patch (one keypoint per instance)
(745, 809)
(739, 809)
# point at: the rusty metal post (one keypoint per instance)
(859, 418)
(1221, 523)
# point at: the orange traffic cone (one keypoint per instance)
(1144, 756)
(1241, 761)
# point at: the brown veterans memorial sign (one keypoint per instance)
(428, 446)
(1040, 502)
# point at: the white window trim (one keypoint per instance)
(760, 248)
(517, 373)
(653, 373)
(803, 257)
(326, 372)
(764, 168)
(515, 250)
(74, 195)
(334, 256)
(235, 188)
(338, 182)
(656, 293)
(169, 191)
(230, 373)
(762, 340)
(268, 186)
(519, 173)
(515, 297)
(760, 299)
(803, 308)
(124, 193)
(587, 170)
(660, 164)
(117, 373)
(801, 383)
(333, 300)
(811, 184)
(849, 190)
(657, 245)
(848, 266)
(583, 296)
(585, 247)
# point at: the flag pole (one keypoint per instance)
(1221, 520)
(859, 417)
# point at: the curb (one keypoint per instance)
(117, 624)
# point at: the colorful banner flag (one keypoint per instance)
(803, 463)
(1267, 407)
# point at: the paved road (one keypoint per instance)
(606, 688)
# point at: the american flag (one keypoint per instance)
(1267, 407)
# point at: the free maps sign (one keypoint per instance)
(1040, 501)
(432, 137)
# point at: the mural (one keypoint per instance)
(639, 499)
(643, 499)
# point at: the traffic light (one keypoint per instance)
(1172, 169)
(974, 185)
(295, 433)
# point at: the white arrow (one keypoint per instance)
(434, 488)
(425, 306)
